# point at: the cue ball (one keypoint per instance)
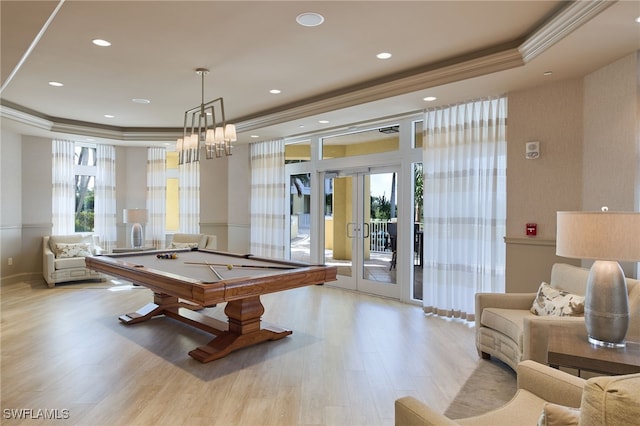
(229, 267)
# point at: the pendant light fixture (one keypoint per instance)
(204, 129)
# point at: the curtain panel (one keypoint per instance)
(464, 159)
(105, 197)
(156, 197)
(268, 196)
(189, 197)
(63, 190)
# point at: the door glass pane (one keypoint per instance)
(379, 227)
(418, 235)
(361, 143)
(339, 227)
(300, 210)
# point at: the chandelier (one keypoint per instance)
(203, 130)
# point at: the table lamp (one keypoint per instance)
(606, 237)
(136, 217)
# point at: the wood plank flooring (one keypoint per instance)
(350, 356)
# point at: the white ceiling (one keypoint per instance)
(455, 50)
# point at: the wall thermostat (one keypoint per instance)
(532, 150)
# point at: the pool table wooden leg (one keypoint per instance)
(162, 303)
(244, 330)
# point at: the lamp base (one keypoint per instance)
(137, 240)
(606, 344)
(606, 309)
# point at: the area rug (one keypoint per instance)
(490, 386)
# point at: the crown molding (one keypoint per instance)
(30, 118)
(124, 134)
(561, 25)
(439, 75)
(458, 69)
(27, 118)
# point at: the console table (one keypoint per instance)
(570, 348)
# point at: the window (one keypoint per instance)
(84, 173)
(297, 153)
(173, 193)
(365, 142)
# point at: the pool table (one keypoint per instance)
(185, 281)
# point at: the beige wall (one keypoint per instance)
(131, 187)
(611, 151)
(536, 189)
(588, 133)
(224, 200)
(611, 139)
(10, 202)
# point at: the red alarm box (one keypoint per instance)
(532, 229)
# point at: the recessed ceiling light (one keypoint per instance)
(638, 19)
(310, 19)
(383, 55)
(255, 136)
(55, 84)
(323, 121)
(141, 101)
(275, 91)
(547, 73)
(429, 99)
(109, 116)
(100, 42)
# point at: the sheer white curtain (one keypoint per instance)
(156, 197)
(268, 198)
(464, 157)
(105, 197)
(189, 196)
(63, 191)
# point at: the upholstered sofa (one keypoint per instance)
(508, 330)
(201, 241)
(63, 258)
(602, 401)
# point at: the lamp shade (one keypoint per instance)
(599, 235)
(135, 215)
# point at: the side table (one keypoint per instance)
(570, 348)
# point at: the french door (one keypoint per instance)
(361, 229)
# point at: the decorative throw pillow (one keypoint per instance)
(72, 250)
(551, 301)
(558, 415)
(184, 245)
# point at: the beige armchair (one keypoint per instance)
(508, 330)
(63, 258)
(605, 400)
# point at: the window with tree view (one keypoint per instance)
(85, 172)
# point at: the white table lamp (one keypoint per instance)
(136, 217)
(606, 237)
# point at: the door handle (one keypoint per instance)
(350, 229)
(365, 227)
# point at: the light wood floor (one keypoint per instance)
(349, 357)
